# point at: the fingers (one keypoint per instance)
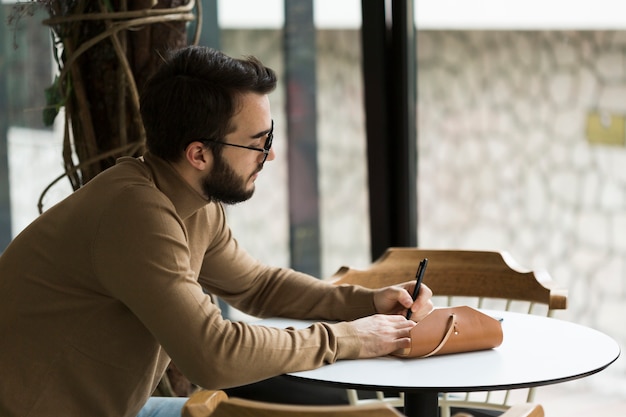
(405, 298)
(423, 312)
(397, 299)
(423, 305)
(382, 334)
(403, 343)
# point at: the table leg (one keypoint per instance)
(421, 404)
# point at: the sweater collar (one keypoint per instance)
(186, 200)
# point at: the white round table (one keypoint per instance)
(535, 351)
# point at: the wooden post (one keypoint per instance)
(300, 76)
(5, 197)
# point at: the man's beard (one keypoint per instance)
(223, 184)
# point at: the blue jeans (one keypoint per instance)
(163, 407)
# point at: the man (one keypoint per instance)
(100, 291)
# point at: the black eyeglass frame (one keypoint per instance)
(265, 149)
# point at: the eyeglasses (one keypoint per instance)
(265, 149)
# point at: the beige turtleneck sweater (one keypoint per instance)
(101, 290)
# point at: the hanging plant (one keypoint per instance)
(105, 50)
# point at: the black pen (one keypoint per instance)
(419, 276)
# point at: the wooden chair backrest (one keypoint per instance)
(217, 404)
(459, 273)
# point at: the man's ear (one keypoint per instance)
(198, 156)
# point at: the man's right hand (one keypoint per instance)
(382, 334)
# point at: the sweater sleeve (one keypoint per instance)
(231, 273)
(142, 257)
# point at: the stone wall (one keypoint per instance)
(505, 162)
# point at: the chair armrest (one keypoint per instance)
(203, 403)
(517, 410)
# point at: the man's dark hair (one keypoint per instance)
(194, 95)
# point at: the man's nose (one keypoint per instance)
(271, 155)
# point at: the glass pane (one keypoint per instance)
(522, 147)
(342, 176)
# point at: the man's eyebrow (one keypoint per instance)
(261, 134)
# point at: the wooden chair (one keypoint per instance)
(517, 410)
(479, 279)
(207, 403)
(217, 404)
